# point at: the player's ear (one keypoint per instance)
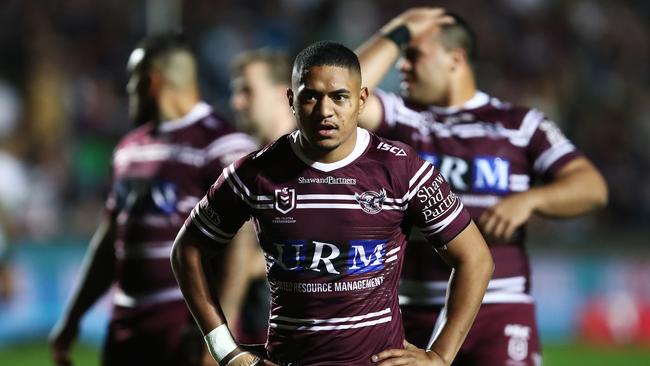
(290, 98)
(363, 97)
(458, 58)
(155, 79)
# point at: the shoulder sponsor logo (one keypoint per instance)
(327, 180)
(392, 149)
(285, 199)
(370, 201)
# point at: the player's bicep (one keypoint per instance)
(469, 245)
(220, 214)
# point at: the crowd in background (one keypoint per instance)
(63, 105)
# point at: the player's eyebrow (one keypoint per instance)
(340, 91)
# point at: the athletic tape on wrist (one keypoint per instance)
(220, 342)
(400, 35)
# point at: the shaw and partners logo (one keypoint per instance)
(353, 257)
(327, 180)
(371, 201)
(285, 199)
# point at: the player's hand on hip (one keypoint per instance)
(61, 339)
(247, 358)
(500, 221)
(420, 21)
(410, 355)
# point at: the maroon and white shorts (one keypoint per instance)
(502, 334)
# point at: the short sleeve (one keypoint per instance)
(222, 211)
(549, 148)
(433, 208)
(224, 151)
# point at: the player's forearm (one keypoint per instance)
(467, 286)
(188, 269)
(97, 273)
(579, 190)
(377, 56)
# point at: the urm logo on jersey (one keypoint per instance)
(354, 257)
(487, 174)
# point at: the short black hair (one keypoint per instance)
(460, 35)
(326, 53)
(158, 46)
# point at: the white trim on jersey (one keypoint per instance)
(477, 200)
(198, 112)
(478, 100)
(182, 153)
(123, 299)
(438, 227)
(519, 182)
(363, 139)
(308, 324)
(551, 155)
(209, 229)
(228, 144)
(411, 192)
(146, 250)
(499, 290)
(396, 111)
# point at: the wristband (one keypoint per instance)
(220, 342)
(400, 35)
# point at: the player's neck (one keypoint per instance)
(173, 107)
(329, 156)
(461, 92)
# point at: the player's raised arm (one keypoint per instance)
(380, 52)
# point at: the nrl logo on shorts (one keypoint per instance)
(371, 201)
(285, 199)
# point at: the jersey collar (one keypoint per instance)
(478, 100)
(363, 139)
(198, 112)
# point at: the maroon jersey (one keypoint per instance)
(334, 236)
(486, 150)
(160, 172)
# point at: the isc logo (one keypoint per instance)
(392, 149)
(483, 174)
(355, 257)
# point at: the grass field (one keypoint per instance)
(554, 355)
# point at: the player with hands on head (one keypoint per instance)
(333, 205)
(493, 154)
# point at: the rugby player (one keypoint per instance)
(160, 170)
(333, 205)
(492, 153)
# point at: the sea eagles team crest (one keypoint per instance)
(371, 201)
(285, 199)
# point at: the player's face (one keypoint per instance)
(426, 68)
(327, 101)
(253, 97)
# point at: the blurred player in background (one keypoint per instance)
(160, 170)
(492, 154)
(333, 204)
(259, 82)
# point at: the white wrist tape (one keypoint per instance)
(220, 342)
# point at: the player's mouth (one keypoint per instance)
(326, 129)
